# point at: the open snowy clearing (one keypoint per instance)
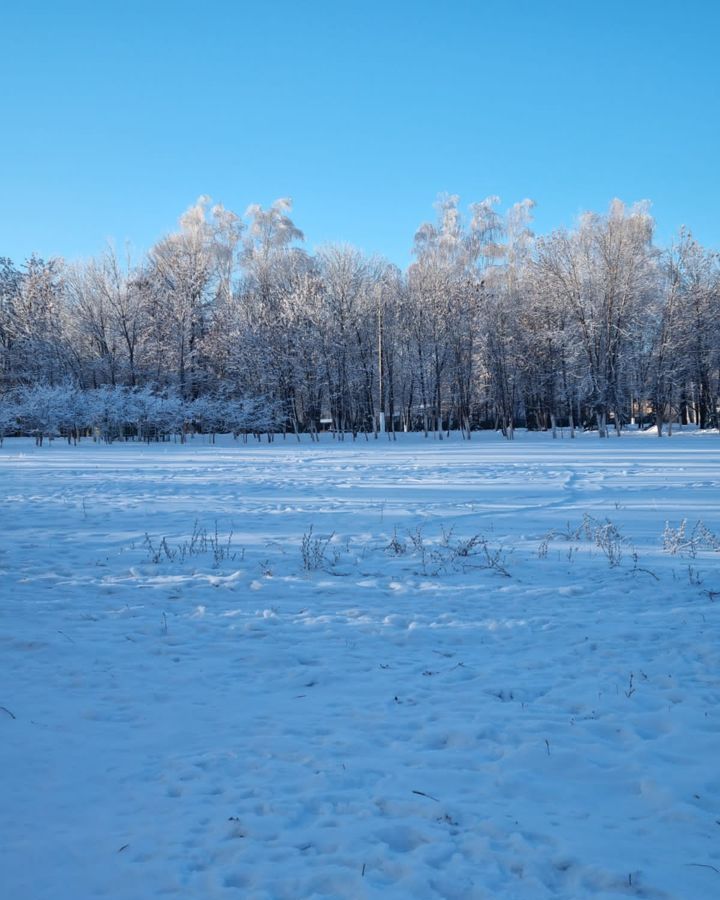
(414, 669)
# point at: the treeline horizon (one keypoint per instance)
(228, 324)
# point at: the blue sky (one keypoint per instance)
(116, 116)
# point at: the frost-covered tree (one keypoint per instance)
(41, 410)
(277, 274)
(350, 345)
(35, 325)
(603, 272)
(436, 282)
(8, 418)
(178, 285)
(696, 278)
(10, 285)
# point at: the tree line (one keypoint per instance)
(228, 324)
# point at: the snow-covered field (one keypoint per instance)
(492, 680)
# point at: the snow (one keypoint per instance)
(343, 695)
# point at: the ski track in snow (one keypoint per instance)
(385, 725)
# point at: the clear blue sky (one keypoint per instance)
(116, 116)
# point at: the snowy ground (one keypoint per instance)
(478, 688)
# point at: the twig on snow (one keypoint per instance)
(429, 796)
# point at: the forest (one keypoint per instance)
(229, 325)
